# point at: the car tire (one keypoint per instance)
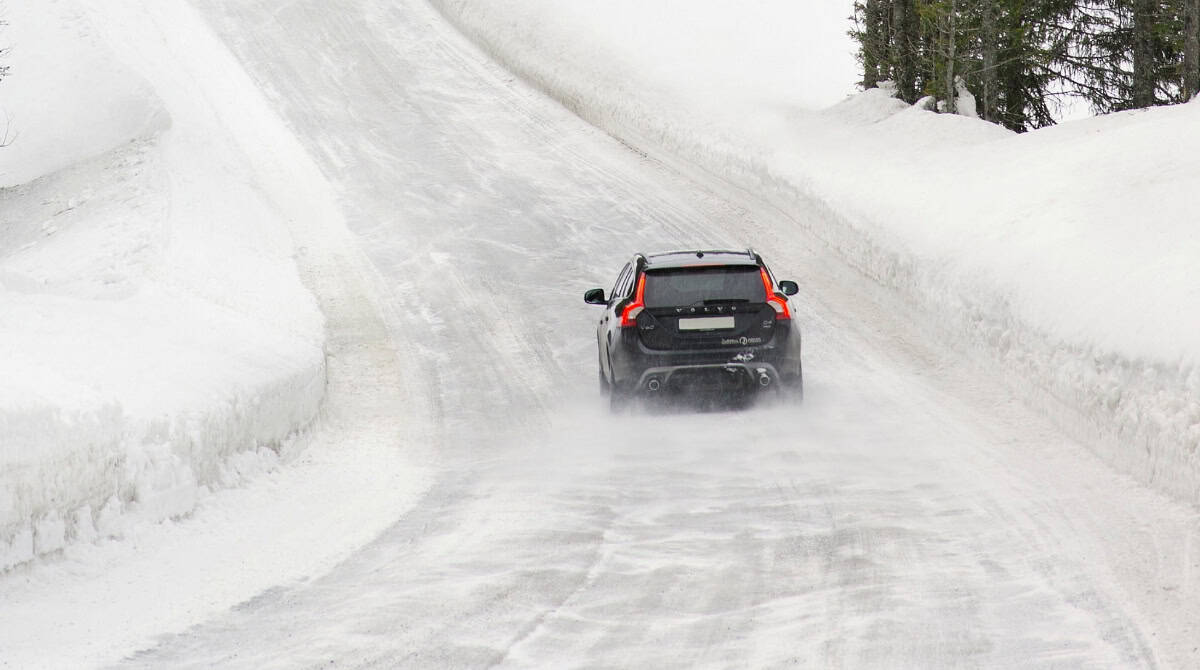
(618, 399)
(791, 387)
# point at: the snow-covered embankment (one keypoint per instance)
(1069, 254)
(156, 341)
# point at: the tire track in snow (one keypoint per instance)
(888, 553)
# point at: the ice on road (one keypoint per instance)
(911, 514)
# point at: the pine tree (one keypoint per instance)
(874, 43)
(1145, 20)
(1191, 49)
(904, 43)
(989, 38)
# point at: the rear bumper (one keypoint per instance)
(724, 376)
(638, 369)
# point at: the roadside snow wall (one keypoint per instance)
(156, 341)
(1069, 254)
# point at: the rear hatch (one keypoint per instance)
(706, 307)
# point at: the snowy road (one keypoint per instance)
(910, 514)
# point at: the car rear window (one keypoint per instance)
(682, 287)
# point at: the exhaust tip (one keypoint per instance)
(764, 380)
(653, 385)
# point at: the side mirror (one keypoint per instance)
(789, 287)
(595, 297)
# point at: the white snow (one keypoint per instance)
(281, 274)
(1069, 253)
(154, 324)
(163, 348)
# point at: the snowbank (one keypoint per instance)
(1069, 253)
(155, 339)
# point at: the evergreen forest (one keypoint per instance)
(1023, 60)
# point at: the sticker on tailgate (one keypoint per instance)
(743, 341)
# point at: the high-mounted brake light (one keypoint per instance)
(774, 299)
(631, 311)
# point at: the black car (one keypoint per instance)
(697, 321)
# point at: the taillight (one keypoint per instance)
(774, 300)
(631, 311)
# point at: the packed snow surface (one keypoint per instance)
(462, 498)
